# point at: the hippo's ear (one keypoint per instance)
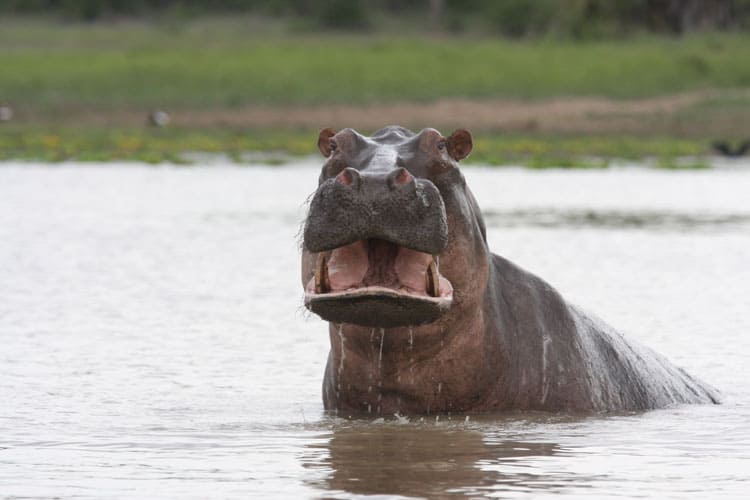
(459, 144)
(326, 143)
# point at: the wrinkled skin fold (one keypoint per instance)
(425, 319)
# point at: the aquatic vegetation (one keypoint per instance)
(188, 146)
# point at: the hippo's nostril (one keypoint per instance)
(399, 177)
(349, 177)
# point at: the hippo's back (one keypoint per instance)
(560, 358)
(630, 376)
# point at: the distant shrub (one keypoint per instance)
(342, 14)
(516, 18)
(510, 18)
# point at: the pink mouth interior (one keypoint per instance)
(382, 264)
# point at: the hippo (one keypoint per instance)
(424, 319)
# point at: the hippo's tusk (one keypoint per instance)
(322, 283)
(433, 280)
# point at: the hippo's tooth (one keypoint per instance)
(322, 283)
(433, 280)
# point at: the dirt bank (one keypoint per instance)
(691, 114)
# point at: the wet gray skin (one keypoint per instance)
(395, 258)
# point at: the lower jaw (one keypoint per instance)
(377, 307)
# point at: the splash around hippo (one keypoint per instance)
(425, 319)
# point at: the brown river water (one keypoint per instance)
(153, 343)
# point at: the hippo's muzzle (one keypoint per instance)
(377, 235)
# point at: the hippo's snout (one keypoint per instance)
(377, 235)
(390, 205)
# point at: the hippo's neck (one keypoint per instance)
(438, 368)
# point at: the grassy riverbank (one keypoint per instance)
(233, 86)
(54, 68)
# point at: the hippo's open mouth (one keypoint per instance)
(374, 282)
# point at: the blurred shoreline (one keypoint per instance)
(231, 85)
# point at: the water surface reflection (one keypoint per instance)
(615, 219)
(428, 460)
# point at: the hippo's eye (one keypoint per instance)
(332, 145)
(441, 145)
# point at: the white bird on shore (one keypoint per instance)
(158, 118)
(6, 113)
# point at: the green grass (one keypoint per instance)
(276, 146)
(51, 67)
